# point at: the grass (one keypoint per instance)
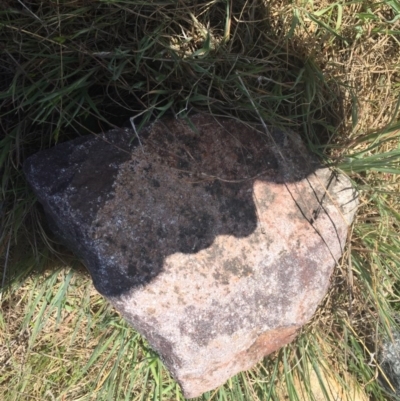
(329, 70)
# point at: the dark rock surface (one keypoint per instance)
(215, 239)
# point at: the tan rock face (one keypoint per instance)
(215, 239)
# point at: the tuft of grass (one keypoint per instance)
(329, 70)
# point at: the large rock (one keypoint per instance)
(215, 239)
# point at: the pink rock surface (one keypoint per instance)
(215, 242)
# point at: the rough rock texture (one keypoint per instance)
(215, 239)
(389, 360)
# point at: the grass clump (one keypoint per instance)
(329, 70)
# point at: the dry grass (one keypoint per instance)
(330, 70)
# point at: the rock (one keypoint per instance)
(389, 360)
(215, 239)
